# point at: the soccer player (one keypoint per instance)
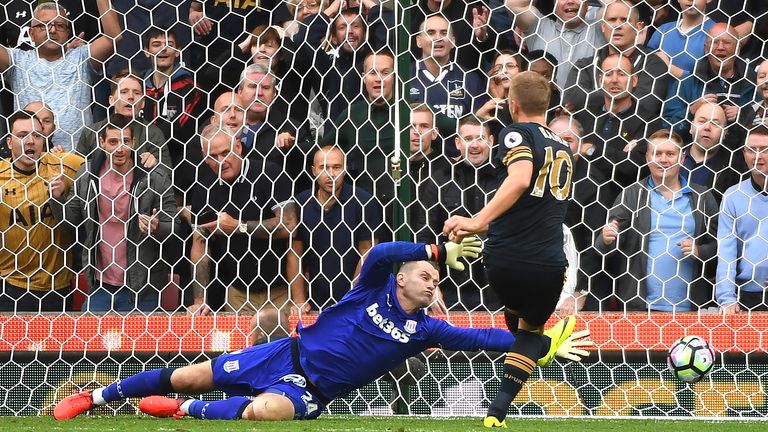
(524, 221)
(379, 324)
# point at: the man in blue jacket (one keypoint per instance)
(379, 324)
(720, 78)
(742, 267)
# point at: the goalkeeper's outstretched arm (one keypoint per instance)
(454, 338)
(377, 268)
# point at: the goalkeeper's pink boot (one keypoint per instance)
(161, 406)
(72, 406)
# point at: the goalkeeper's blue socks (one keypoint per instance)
(227, 409)
(518, 366)
(147, 383)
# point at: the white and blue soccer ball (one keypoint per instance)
(691, 358)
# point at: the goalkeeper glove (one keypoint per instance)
(572, 348)
(450, 252)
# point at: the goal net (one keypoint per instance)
(182, 179)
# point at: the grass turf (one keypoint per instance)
(356, 424)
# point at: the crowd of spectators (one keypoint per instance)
(245, 155)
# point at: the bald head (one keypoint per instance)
(707, 125)
(44, 113)
(222, 151)
(329, 170)
(326, 152)
(721, 47)
(228, 111)
(416, 285)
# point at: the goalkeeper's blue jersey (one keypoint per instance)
(367, 333)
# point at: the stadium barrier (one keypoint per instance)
(47, 357)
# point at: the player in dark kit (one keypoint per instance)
(377, 325)
(524, 221)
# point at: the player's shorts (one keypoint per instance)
(531, 292)
(267, 368)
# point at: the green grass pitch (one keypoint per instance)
(358, 424)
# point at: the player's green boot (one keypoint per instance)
(493, 422)
(558, 333)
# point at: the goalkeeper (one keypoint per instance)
(375, 327)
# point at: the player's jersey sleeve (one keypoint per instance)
(453, 338)
(515, 145)
(377, 267)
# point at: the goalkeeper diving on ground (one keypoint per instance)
(379, 324)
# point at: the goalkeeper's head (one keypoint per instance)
(416, 285)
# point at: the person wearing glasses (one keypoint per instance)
(66, 86)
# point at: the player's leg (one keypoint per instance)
(270, 406)
(192, 379)
(266, 371)
(265, 407)
(232, 408)
(512, 320)
(519, 363)
(286, 398)
(533, 298)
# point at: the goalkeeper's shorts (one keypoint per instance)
(266, 368)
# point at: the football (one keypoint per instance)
(691, 358)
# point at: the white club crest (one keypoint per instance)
(231, 366)
(513, 139)
(295, 379)
(410, 326)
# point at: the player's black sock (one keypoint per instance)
(520, 362)
(147, 383)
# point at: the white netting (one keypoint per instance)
(235, 204)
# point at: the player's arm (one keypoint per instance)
(377, 267)
(454, 338)
(519, 173)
